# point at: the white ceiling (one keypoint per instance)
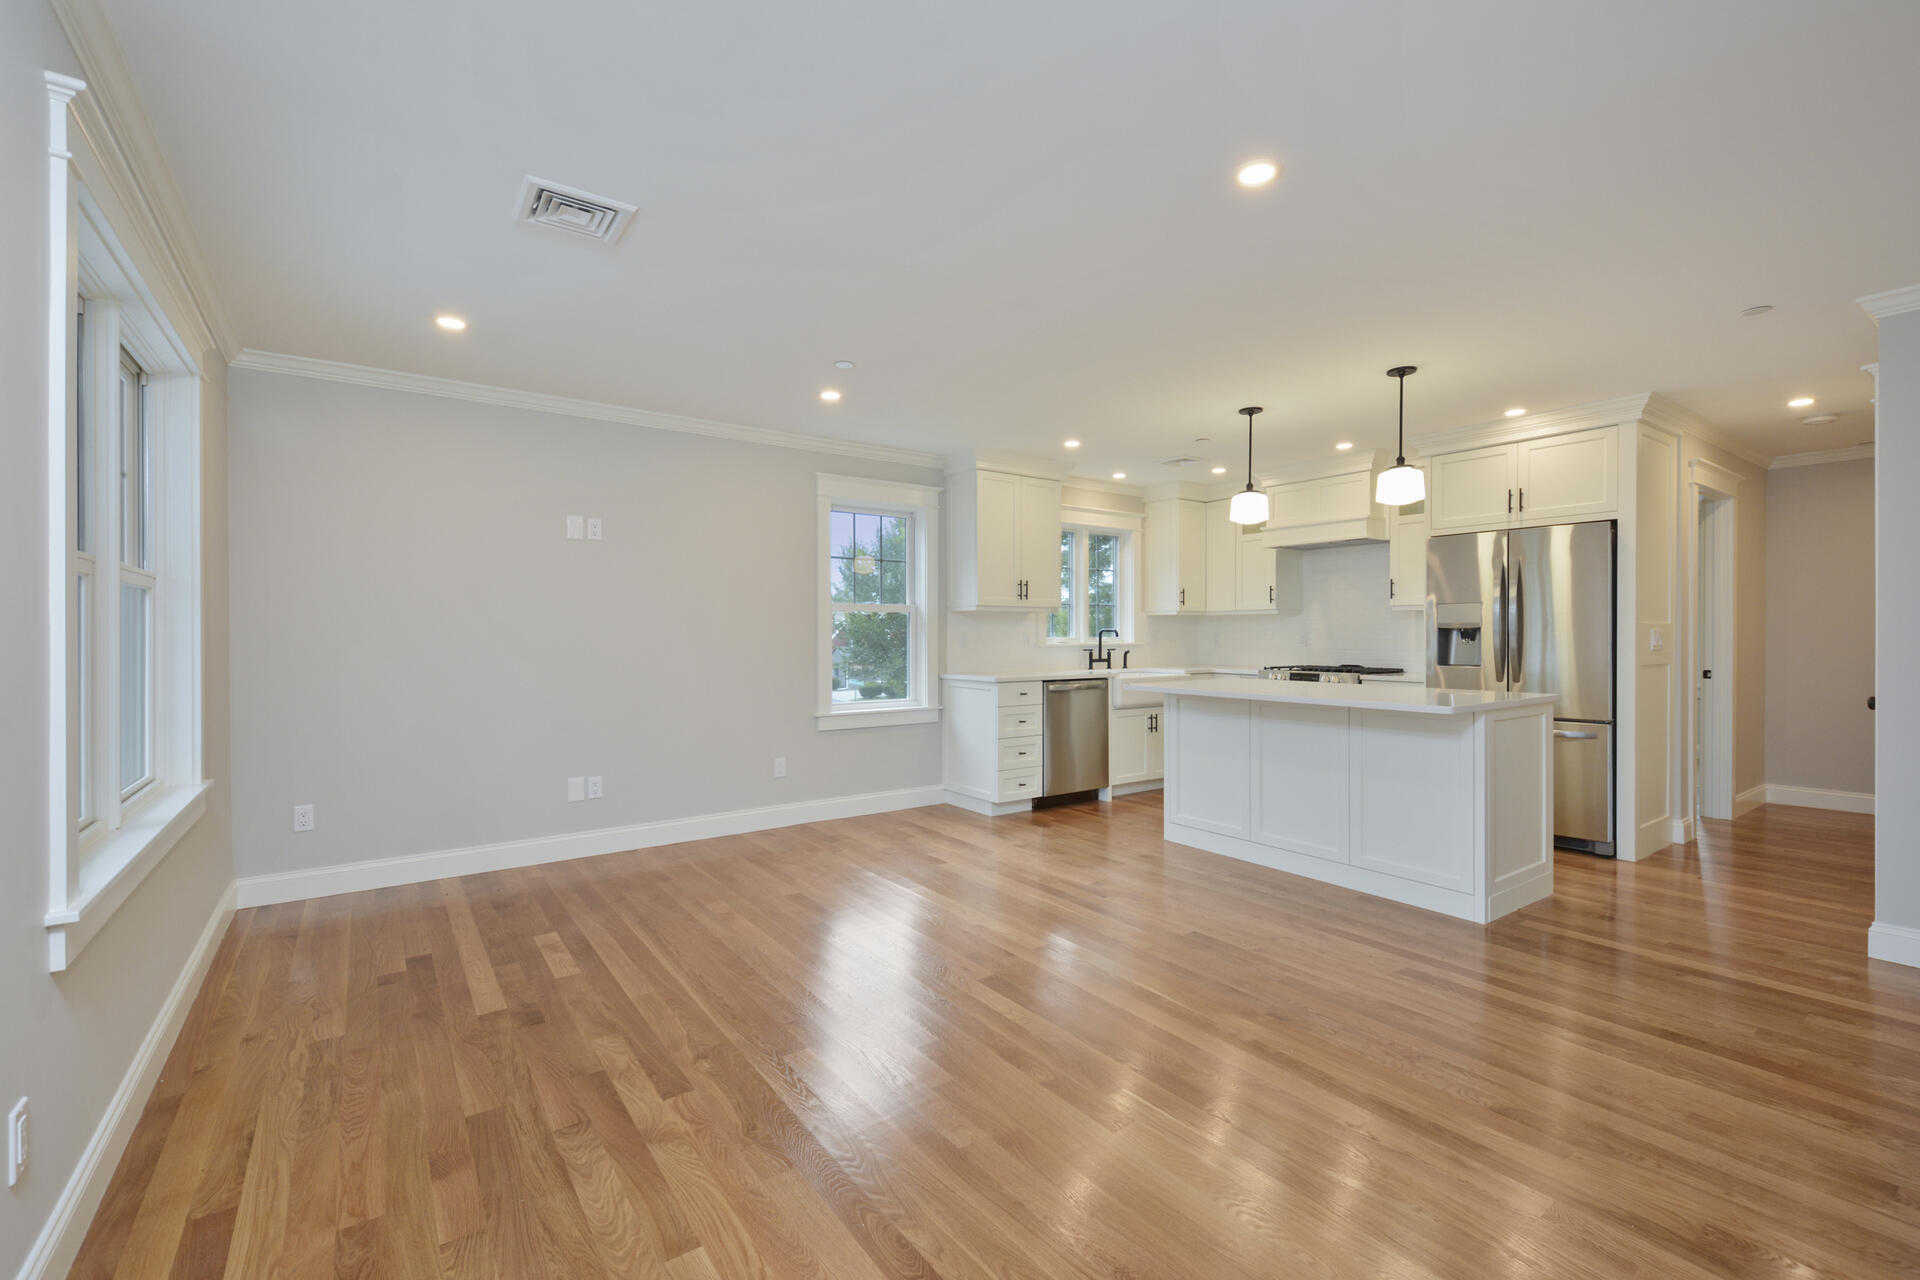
(1020, 219)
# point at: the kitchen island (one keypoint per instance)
(1438, 798)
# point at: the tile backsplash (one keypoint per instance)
(1346, 618)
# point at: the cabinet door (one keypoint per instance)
(1253, 589)
(1223, 565)
(1156, 746)
(1193, 557)
(1568, 477)
(1407, 556)
(1039, 522)
(1176, 560)
(1127, 745)
(1473, 489)
(1300, 788)
(997, 539)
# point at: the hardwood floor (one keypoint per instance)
(930, 1044)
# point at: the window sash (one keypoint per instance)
(1077, 571)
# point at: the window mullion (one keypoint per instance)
(103, 354)
(1081, 613)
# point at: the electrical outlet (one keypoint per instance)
(594, 528)
(303, 817)
(593, 788)
(576, 789)
(779, 766)
(16, 1142)
(576, 528)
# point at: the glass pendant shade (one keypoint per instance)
(1397, 486)
(1249, 506)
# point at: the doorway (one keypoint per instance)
(1712, 670)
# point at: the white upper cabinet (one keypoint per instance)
(1242, 574)
(1575, 476)
(1472, 489)
(1176, 559)
(1005, 548)
(1407, 555)
(1570, 477)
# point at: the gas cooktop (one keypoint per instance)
(1351, 668)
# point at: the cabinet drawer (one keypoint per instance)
(1024, 694)
(1019, 722)
(1019, 784)
(1021, 753)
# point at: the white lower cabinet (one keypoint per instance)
(1136, 747)
(993, 742)
(1300, 792)
(1413, 798)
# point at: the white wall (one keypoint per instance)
(1820, 626)
(421, 654)
(69, 1039)
(1896, 746)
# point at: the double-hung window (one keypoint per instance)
(123, 437)
(877, 567)
(1096, 580)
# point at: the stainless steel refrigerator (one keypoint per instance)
(1532, 610)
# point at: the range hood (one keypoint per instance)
(1334, 508)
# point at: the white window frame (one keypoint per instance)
(95, 866)
(921, 504)
(1081, 521)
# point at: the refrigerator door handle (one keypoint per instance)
(1518, 617)
(1579, 737)
(1500, 607)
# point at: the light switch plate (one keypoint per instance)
(594, 528)
(576, 789)
(16, 1142)
(576, 527)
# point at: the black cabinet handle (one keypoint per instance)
(1509, 502)
(1523, 498)
(1183, 597)
(1269, 595)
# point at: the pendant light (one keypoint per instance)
(1401, 484)
(1249, 506)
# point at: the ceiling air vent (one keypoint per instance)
(1184, 460)
(548, 204)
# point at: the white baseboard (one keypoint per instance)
(1651, 838)
(1749, 800)
(1894, 942)
(985, 808)
(385, 873)
(1820, 798)
(1682, 830)
(53, 1253)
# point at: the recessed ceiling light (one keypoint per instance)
(1799, 402)
(452, 324)
(1757, 311)
(1119, 475)
(1071, 444)
(1257, 173)
(1219, 471)
(843, 364)
(1516, 413)
(1344, 445)
(829, 394)
(1821, 419)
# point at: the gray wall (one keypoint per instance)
(420, 652)
(69, 1038)
(1896, 744)
(1820, 626)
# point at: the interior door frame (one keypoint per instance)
(1714, 554)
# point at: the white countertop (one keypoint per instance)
(1012, 677)
(1417, 699)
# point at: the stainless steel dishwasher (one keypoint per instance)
(1074, 725)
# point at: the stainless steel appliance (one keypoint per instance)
(1347, 673)
(1074, 736)
(1532, 610)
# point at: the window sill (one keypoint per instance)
(113, 867)
(874, 719)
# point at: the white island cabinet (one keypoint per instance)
(1436, 798)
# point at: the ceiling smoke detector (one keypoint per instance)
(548, 204)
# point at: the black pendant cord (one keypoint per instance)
(1401, 372)
(1250, 411)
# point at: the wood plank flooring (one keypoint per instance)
(929, 1044)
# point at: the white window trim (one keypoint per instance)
(922, 504)
(1096, 520)
(91, 876)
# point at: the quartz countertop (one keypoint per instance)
(1012, 677)
(1416, 699)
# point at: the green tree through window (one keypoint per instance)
(873, 616)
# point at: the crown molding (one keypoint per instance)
(569, 407)
(1102, 486)
(120, 134)
(1891, 303)
(1664, 414)
(1852, 453)
(1549, 422)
